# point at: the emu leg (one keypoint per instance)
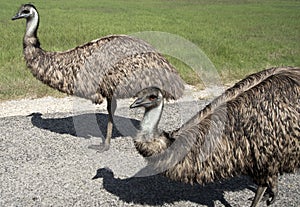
(258, 196)
(111, 108)
(269, 196)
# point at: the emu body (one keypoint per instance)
(111, 67)
(252, 129)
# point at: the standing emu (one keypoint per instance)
(252, 129)
(112, 67)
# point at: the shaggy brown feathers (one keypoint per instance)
(252, 129)
(115, 66)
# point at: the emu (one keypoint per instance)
(111, 67)
(252, 129)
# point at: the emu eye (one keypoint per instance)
(152, 97)
(26, 11)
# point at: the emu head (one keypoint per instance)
(28, 12)
(148, 98)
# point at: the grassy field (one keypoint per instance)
(239, 36)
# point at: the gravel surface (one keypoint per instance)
(45, 159)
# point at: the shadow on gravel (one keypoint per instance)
(158, 190)
(86, 125)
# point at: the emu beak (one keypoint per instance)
(19, 16)
(137, 103)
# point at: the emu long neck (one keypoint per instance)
(30, 38)
(150, 142)
(151, 119)
(49, 67)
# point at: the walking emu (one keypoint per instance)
(112, 67)
(252, 129)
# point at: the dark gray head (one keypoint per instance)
(148, 98)
(30, 13)
(27, 11)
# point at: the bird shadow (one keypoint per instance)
(158, 190)
(86, 125)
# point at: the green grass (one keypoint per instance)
(239, 36)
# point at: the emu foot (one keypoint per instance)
(99, 148)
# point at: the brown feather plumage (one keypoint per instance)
(252, 129)
(115, 66)
(85, 69)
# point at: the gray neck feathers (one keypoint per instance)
(32, 25)
(149, 125)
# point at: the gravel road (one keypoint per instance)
(45, 159)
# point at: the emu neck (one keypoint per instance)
(151, 119)
(30, 38)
